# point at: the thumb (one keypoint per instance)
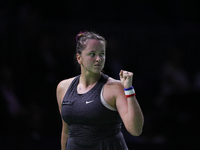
(121, 74)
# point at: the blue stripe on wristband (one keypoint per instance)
(127, 89)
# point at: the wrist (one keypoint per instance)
(128, 86)
(129, 91)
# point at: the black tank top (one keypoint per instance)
(91, 125)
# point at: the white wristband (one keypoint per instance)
(130, 92)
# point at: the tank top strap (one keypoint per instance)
(72, 87)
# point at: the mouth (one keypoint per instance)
(98, 65)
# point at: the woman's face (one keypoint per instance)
(92, 58)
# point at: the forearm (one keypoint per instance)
(128, 105)
(134, 117)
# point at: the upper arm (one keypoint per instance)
(60, 94)
(115, 96)
(121, 101)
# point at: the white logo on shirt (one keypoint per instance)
(87, 102)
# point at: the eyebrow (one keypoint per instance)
(95, 51)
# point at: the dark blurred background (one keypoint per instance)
(158, 41)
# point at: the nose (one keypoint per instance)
(98, 58)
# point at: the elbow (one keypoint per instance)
(136, 133)
(135, 128)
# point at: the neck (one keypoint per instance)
(87, 82)
(89, 79)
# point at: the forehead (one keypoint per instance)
(95, 44)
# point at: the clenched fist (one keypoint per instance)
(126, 78)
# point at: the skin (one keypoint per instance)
(92, 60)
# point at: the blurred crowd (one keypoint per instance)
(37, 51)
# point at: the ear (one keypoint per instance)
(78, 57)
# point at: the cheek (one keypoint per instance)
(104, 59)
(88, 61)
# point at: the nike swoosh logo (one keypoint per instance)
(87, 102)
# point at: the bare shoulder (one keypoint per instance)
(112, 89)
(113, 83)
(64, 84)
(62, 89)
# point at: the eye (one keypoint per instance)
(102, 54)
(92, 54)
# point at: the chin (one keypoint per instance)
(97, 71)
